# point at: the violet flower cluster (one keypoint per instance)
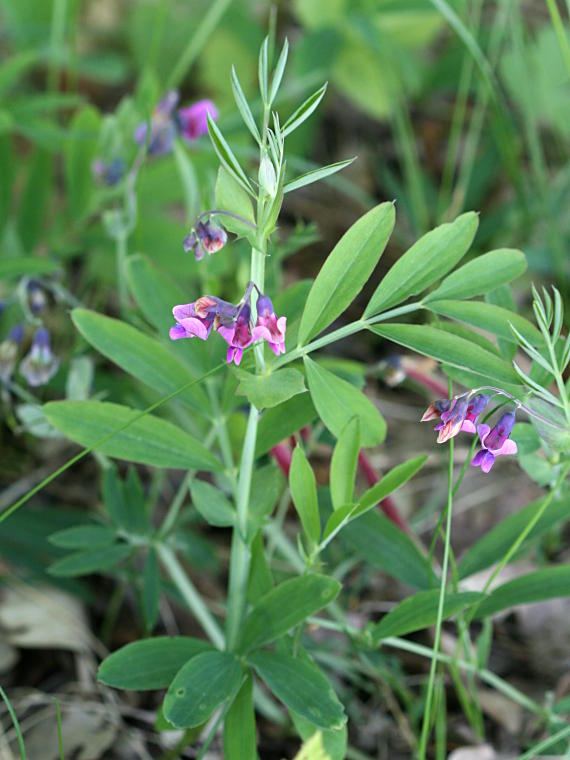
(232, 322)
(460, 414)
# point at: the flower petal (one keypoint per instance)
(508, 447)
(483, 431)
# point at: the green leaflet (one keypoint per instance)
(448, 348)
(301, 686)
(419, 611)
(206, 681)
(337, 402)
(346, 270)
(482, 275)
(285, 606)
(150, 663)
(432, 256)
(145, 358)
(148, 440)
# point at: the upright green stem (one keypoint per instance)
(431, 681)
(121, 251)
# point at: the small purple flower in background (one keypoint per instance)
(435, 410)
(237, 336)
(495, 442)
(452, 420)
(191, 243)
(196, 319)
(476, 405)
(9, 352)
(111, 172)
(162, 126)
(269, 327)
(193, 120)
(37, 299)
(40, 365)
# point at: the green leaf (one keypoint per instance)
(267, 486)
(243, 107)
(155, 293)
(284, 420)
(227, 158)
(146, 439)
(548, 583)
(315, 175)
(150, 663)
(200, 686)
(230, 196)
(497, 541)
(35, 198)
(420, 611)
(212, 504)
(432, 256)
(494, 319)
(272, 388)
(263, 70)
(279, 69)
(151, 590)
(303, 488)
(239, 726)
(343, 464)
(83, 537)
(302, 113)
(390, 482)
(384, 546)
(346, 270)
(141, 356)
(90, 561)
(337, 402)
(301, 686)
(285, 606)
(334, 742)
(483, 274)
(448, 348)
(26, 266)
(80, 150)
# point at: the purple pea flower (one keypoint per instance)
(476, 405)
(193, 120)
(196, 319)
(435, 410)
(110, 172)
(269, 327)
(238, 335)
(37, 299)
(162, 126)
(452, 420)
(211, 237)
(9, 352)
(40, 365)
(495, 442)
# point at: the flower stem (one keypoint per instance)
(190, 595)
(434, 660)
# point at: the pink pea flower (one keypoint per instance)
(269, 327)
(476, 405)
(495, 442)
(162, 126)
(196, 319)
(435, 410)
(452, 420)
(237, 336)
(193, 120)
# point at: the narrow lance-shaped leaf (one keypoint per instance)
(432, 256)
(316, 174)
(483, 274)
(239, 726)
(448, 348)
(226, 156)
(149, 663)
(346, 270)
(343, 464)
(337, 402)
(285, 606)
(263, 70)
(304, 494)
(212, 504)
(123, 433)
(548, 583)
(90, 561)
(243, 107)
(304, 111)
(278, 73)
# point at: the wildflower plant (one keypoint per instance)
(234, 380)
